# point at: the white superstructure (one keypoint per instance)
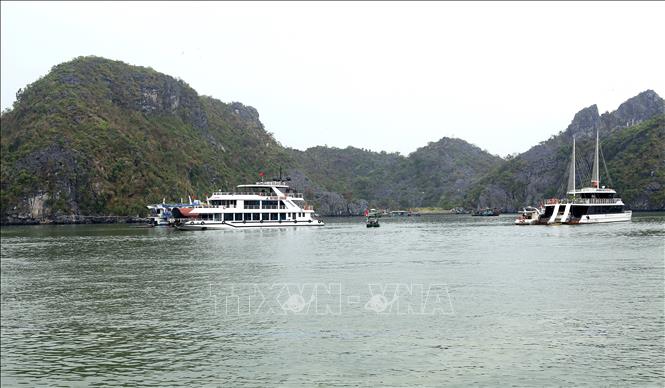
(261, 205)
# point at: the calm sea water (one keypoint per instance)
(431, 300)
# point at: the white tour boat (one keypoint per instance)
(587, 205)
(261, 205)
(528, 216)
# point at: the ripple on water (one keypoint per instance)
(113, 305)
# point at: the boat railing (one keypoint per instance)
(235, 193)
(584, 201)
(276, 197)
(595, 201)
(218, 206)
(289, 195)
(255, 207)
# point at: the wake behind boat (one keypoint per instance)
(587, 205)
(261, 205)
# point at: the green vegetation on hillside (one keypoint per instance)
(435, 175)
(636, 163)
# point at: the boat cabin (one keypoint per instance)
(592, 192)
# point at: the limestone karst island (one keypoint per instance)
(96, 140)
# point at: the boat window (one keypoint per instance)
(265, 216)
(269, 204)
(238, 216)
(228, 216)
(218, 216)
(282, 216)
(248, 216)
(252, 204)
(273, 216)
(226, 203)
(256, 216)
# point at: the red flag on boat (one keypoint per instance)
(261, 173)
(366, 212)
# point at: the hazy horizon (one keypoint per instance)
(381, 76)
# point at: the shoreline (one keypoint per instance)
(74, 220)
(96, 220)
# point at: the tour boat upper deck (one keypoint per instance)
(261, 189)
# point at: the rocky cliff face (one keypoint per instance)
(585, 122)
(542, 171)
(635, 110)
(65, 172)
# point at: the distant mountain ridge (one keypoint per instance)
(435, 175)
(98, 137)
(635, 110)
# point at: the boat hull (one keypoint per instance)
(526, 221)
(159, 221)
(215, 225)
(602, 218)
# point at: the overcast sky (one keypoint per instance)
(384, 76)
